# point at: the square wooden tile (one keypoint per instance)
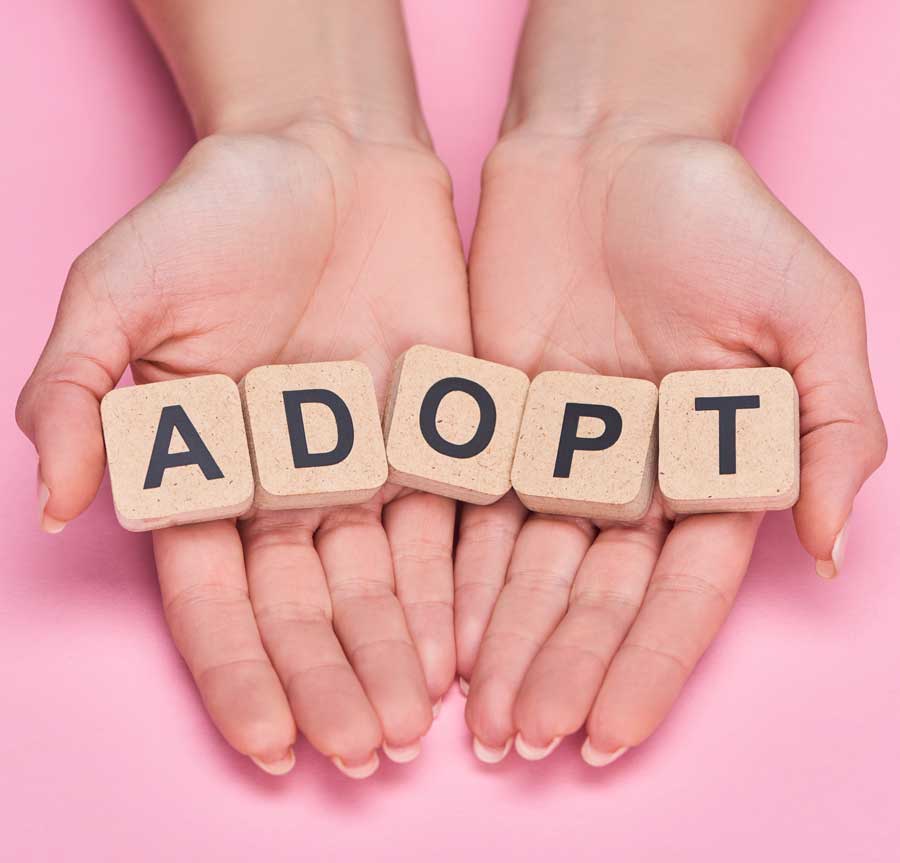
(451, 424)
(177, 452)
(587, 446)
(315, 434)
(729, 440)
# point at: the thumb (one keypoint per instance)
(842, 436)
(59, 407)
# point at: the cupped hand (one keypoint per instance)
(306, 245)
(634, 252)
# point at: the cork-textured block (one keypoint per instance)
(451, 424)
(729, 440)
(315, 434)
(177, 452)
(587, 446)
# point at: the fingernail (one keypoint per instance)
(436, 708)
(276, 768)
(489, 754)
(535, 753)
(402, 754)
(48, 523)
(596, 758)
(357, 771)
(831, 568)
(464, 686)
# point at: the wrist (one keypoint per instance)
(622, 121)
(686, 68)
(593, 102)
(265, 65)
(358, 119)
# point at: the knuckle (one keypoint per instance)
(676, 662)
(291, 612)
(687, 585)
(359, 588)
(86, 273)
(572, 524)
(422, 552)
(23, 408)
(279, 529)
(432, 605)
(362, 516)
(846, 294)
(388, 644)
(596, 598)
(296, 683)
(488, 530)
(204, 595)
(539, 581)
(849, 284)
(879, 442)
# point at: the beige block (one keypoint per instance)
(587, 446)
(722, 458)
(469, 457)
(177, 452)
(315, 434)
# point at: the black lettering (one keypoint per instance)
(486, 424)
(175, 417)
(293, 410)
(569, 441)
(727, 406)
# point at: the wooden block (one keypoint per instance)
(177, 452)
(315, 434)
(451, 424)
(729, 440)
(587, 446)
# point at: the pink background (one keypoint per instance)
(786, 744)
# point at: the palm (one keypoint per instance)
(679, 258)
(663, 255)
(312, 247)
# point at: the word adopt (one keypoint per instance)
(310, 435)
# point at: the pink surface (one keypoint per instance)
(786, 744)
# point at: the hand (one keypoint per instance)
(306, 244)
(635, 252)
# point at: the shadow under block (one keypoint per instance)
(177, 452)
(315, 434)
(587, 446)
(729, 440)
(451, 424)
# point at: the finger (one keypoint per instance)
(546, 557)
(369, 621)
(843, 438)
(487, 535)
(419, 529)
(690, 593)
(204, 593)
(563, 681)
(293, 611)
(59, 407)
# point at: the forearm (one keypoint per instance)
(692, 63)
(257, 65)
